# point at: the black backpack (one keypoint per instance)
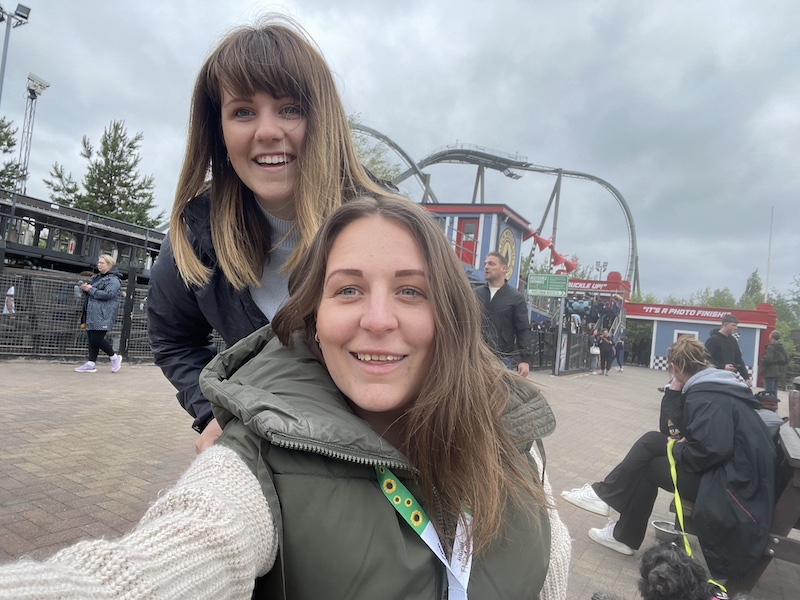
(768, 400)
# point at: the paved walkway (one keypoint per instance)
(83, 455)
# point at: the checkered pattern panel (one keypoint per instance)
(659, 363)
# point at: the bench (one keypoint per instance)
(785, 517)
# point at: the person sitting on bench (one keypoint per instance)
(725, 462)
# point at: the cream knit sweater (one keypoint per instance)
(210, 536)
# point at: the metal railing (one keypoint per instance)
(42, 318)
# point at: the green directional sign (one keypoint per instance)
(554, 286)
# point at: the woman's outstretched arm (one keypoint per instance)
(210, 536)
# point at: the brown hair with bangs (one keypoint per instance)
(277, 57)
(454, 434)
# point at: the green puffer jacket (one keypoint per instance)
(338, 536)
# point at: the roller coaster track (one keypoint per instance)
(507, 164)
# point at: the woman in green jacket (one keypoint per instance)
(372, 446)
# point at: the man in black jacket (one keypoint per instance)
(506, 325)
(724, 350)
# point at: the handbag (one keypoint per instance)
(594, 350)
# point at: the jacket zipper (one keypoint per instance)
(321, 449)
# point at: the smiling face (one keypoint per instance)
(375, 320)
(264, 136)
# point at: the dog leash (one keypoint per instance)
(679, 511)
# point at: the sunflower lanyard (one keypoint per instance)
(679, 511)
(460, 564)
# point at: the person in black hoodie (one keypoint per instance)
(724, 350)
(725, 461)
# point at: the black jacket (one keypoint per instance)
(506, 325)
(728, 444)
(724, 350)
(181, 319)
(606, 346)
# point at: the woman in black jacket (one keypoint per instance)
(269, 127)
(725, 462)
(606, 345)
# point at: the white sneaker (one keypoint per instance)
(605, 537)
(116, 363)
(585, 498)
(88, 367)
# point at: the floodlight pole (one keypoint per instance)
(16, 19)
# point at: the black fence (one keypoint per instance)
(41, 318)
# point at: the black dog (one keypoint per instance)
(669, 574)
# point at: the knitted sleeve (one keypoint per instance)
(210, 536)
(555, 584)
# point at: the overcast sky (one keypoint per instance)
(690, 109)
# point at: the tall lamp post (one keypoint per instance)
(17, 18)
(600, 267)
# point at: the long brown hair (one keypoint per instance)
(277, 57)
(454, 434)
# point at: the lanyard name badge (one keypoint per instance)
(460, 564)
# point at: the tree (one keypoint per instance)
(63, 188)
(583, 271)
(670, 299)
(112, 186)
(372, 153)
(719, 298)
(794, 297)
(753, 292)
(527, 266)
(11, 170)
(648, 298)
(784, 310)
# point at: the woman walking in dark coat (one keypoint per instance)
(100, 310)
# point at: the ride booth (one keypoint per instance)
(474, 230)
(670, 323)
(477, 229)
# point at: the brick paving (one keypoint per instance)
(83, 454)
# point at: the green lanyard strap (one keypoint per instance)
(460, 564)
